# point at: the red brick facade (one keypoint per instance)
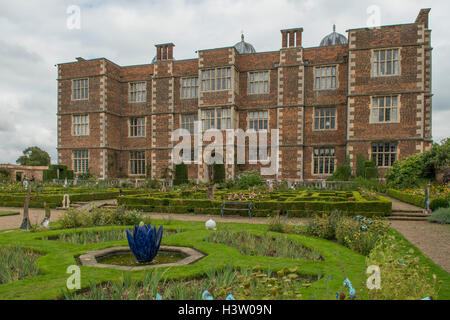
(291, 102)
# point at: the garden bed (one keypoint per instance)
(296, 204)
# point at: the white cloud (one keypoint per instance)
(34, 38)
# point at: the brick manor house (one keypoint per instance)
(368, 95)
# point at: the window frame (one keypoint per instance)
(378, 108)
(137, 126)
(218, 78)
(384, 153)
(80, 160)
(73, 88)
(190, 123)
(130, 84)
(216, 118)
(372, 62)
(336, 76)
(325, 118)
(265, 120)
(130, 159)
(86, 125)
(190, 87)
(313, 156)
(263, 81)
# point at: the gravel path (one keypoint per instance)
(402, 206)
(256, 220)
(36, 216)
(431, 238)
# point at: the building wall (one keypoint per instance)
(290, 102)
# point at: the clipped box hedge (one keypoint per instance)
(410, 198)
(54, 200)
(294, 206)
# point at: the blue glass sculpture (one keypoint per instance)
(144, 242)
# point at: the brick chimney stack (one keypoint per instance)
(291, 37)
(423, 17)
(164, 51)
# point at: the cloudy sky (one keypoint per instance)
(36, 35)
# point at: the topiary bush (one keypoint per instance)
(439, 203)
(181, 174)
(441, 215)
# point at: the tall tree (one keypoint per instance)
(34, 156)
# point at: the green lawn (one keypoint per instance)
(8, 213)
(339, 262)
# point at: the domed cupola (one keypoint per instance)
(333, 39)
(244, 47)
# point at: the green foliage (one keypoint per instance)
(9, 213)
(441, 215)
(276, 224)
(181, 174)
(368, 184)
(17, 263)
(357, 233)
(324, 225)
(365, 168)
(85, 175)
(73, 218)
(243, 284)
(52, 173)
(403, 277)
(34, 156)
(416, 200)
(342, 173)
(5, 175)
(249, 179)
(219, 172)
(439, 203)
(265, 245)
(416, 170)
(407, 172)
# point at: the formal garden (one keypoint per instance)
(123, 252)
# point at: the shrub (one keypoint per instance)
(359, 234)
(369, 184)
(439, 203)
(441, 215)
(342, 173)
(356, 233)
(249, 179)
(324, 225)
(52, 173)
(73, 218)
(219, 172)
(417, 169)
(181, 174)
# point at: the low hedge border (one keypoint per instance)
(55, 200)
(413, 199)
(296, 207)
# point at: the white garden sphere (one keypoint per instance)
(210, 224)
